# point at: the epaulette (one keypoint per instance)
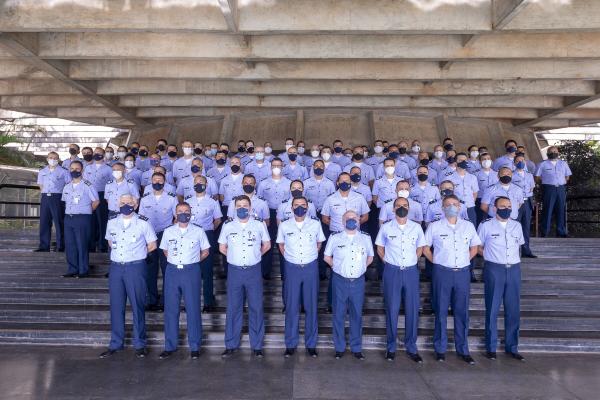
(432, 201)
(174, 195)
(187, 197)
(461, 201)
(87, 182)
(146, 194)
(259, 219)
(449, 173)
(315, 218)
(66, 169)
(229, 219)
(113, 216)
(109, 181)
(199, 226)
(487, 219)
(284, 201)
(389, 200)
(365, 233)
(285, 219)
(334, 233)
(308, 201)
(130, 181)
(143, 218)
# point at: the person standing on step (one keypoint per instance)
(130, 238)
(501, 239)
(525, 180)
(185, 245)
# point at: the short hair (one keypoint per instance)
(158, 174)
(299, 198)
(343, 174)
(249, 176)
(296, 181)
(77, 162)
(450, 197)
(504, 168)
(277, 159)
(185, 204)
(501, 198)
(446, 181)
(510, 141)
(240, 198)
(389, 159)
(399, 199)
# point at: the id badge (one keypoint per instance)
(76, 200)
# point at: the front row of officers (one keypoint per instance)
(449, 244)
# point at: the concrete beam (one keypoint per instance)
(48, 101)
(572, 15)
(12, 69)
(28, 87)
(504, 11)
(338, 70)
(230, 13)
(21, 51)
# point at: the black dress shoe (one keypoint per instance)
(141, 353)
(289, 352)
(312, 352)
(339, 354)
(529, 255)
(165, 354)
(390, 356)
(258, 354)
(228, 353)
(415, 357)
(441, 357)
(153, 307)
(358, 355)
(194, 355)
(467, 358)
(516, 356)
(81, 276)
(283, 310)
(473, 279)
(69, 275)
(106, 275)
(208, 309)
(329, 309)
(108, 353)
(491, 355)
(41, 250)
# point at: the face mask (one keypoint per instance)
(75, 174)
(161, 147)
(448, 146)
(552, 155)
(378, 149)
(184, 218)
(88, 157)
(326, 156)
(355, 178)
(416, 149)
(505, 179)
(129, 164)
(300, 150)
(109, 155)
(486, 163)
(143, 153)
(292, 156)
(260, 156)
(250, 150)
(314, 153)
(242, 213)
(401, 212)
(235, 169)
(52, 162)
(474, 154)
(394, 154)
(451, 211)
(463, 165)
(195, 169)
(451, 160)
(288, 146)
(276, 171)
(390, 170)
(345, 186)
(98, 157)
(134, 150)
(241, 149)
(422, 177)
(248, 189)
(158, 186)
(511, 149)
(213, 152)
(226, 152)
(300, 211)
(154, 162)
(357, 157)
(172, 154)
(221, 161)
(424, 162)
(351, 224)
(117, 174)
(126, 209)
(197, 151)
(403, 193)
(268, 150)
(365, 154)
(402, 150)
(296, 193)
(438, 154)
(199, 187)
(520, 165)
(121, 154)
(72, 152)
(188, 151)
(319, 171)
(385, 149)
(338, 149)
(503, 213)
(446, 192)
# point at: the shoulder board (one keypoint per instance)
(389, 201)
(258, 219)
(229, 219)
(113, 216)
(109, 181)
(461, 201)
(261, 198)
(173, 194)
(432, 201)
(87, 183)
(284, 201)
(487, 220)
(449, 173)
(64, 168)
(315, 218)
(143, 218)
(283, 220)
(334, 233)
(309, 201)
(331, 194)
(187, 197)
(195, 224)
(146, 194)
(365, 233)
(130, 181)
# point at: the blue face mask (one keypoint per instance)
(242, 213)
(451, 211)
(355, 178)
(319, 171)
(75, 174)
(158, 186)
(504, 213)
(345, 186)
(126, 209)
(300, 211)
(260, 156)
(520, 165)
(184, 218)
(351, 224)
(292, 156)
(195, 169)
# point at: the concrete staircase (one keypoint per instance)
(560, 298)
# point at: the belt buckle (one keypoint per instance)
(508, 266)
(179, 266)
(49, 194)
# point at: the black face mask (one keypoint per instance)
(402, 150)
(226, 152)
(195, 169)
(88, 157)
(250, 150)
(338, 149)
(75, 174)
(235, 169)
(98, 157)
(73, 152)
(241, 149)
(161, 147)
(199, 187)
(172, 154)
(143, 153)
(511, 149)
(319, 171)
(402, 212)
(248, 189)
(293, 156)
(552, 155)
(505, 179)
(357, 157)
(221, 161)
(197, 151)
(451, 160)
(424, 162)
(296, 193)
(463, 165)
(448, 146)
(447, 192)
(158, 186)
(422, 177)
(355, 178)
(385, 149)
(134, 150)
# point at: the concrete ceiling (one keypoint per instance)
(126, 63)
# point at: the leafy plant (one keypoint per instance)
(584, 160)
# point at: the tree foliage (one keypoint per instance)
(584, 160)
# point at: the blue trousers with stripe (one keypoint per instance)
(206, 267)
(302, 287)
(348, 298)
(78, 229)
(451, 288)
(184, 282)
(127, 281)
(52, 212)
(502, 286)
(524, 218)
(243, 283)
(398, 285)
(156, 261)
(554, 201)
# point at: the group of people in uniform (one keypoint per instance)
(331, 212)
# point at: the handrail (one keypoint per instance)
(23, 203)
(17, 186)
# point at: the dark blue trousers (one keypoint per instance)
(348, 297)
(52, 212)
(78, 228)
(451, 288)
(302, 287)
(502, 285)
(99, 222)
(472, 214)
(206, 267)
(224, 210)
(398, 285)
(244, 282)
(184, 282)
(524, 218)
(267, 258)
(156, 261)
(127, 281)
(554, 202)
(481, 216)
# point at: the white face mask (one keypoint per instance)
(365, 154)
(52, 162)
(486, 163)
(108, 156)
(403, 193)
(287, 146)
(474, 154)
(276, 171)
(378, 149)
(121, 154)
(268, 150)
(300, 150)
(326, 156)
(128, 164)
(117, 174)
(438, 154)
(390, 170)
(187, 151)
(314, 153)
(260, 156)
(416, 149)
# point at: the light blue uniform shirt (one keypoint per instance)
(400, 244)
(402, 170)
(244, 241)
(385, 190)
(129, 242)
(258, 208)
(295, 172)
(168, 188)
(525, 181)
(168, 163)
(78, 198)
(485, 179)
(513, 192)
(300, 241)
(335, 206)
(147, 178)
(159, 211)
(182, 167)
(474, 166)
(435, 212)
(332, 171)
(260, 171)
(53, 181)
(98, 174)
(67, 163)
(218, 174)
(438, 165)
(367, 173)
(408, 160)
(184, 246)
(445, 174)
(204, 211)
(375, 160)
(143, 164)
(415, 212)
(274, 191)
(284, 211)
(501, 244)
(135, 175)
(114, 190)
(309, 161)
(317, 190)
(424, 195)
(464, 187)
(350, 253)
(231, 186)
(185, 187)
(340, 160)
(504, 161)
(432, 176)
(363, 190)
(451, 244)
(553, 173)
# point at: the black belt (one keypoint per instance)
(128, 262)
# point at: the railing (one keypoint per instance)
(27, 205)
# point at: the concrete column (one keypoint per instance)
(227, 130)
(299, 125)
(441, 123)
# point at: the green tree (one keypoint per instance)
(584, 160)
